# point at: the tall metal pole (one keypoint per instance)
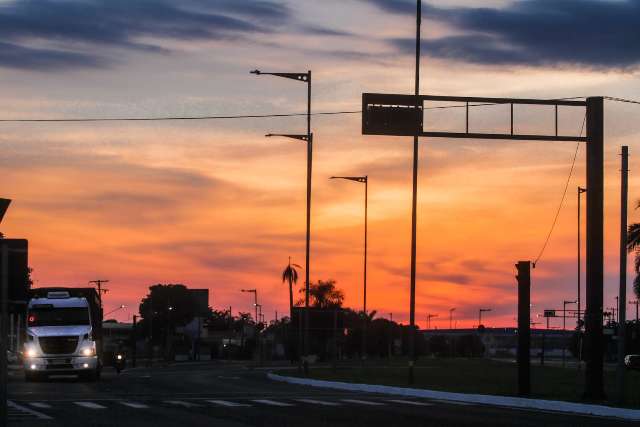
(580, 191)
(524, 327)
(414, 217)
(306, 270)
(622, 297)
(594, 384)
(4, 295)
(364, 304)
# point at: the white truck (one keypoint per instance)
(64, 333)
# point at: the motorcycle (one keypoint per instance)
(120, 361)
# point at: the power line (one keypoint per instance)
(564, 196)
(628, 101)
(229, 117)
(172, 118)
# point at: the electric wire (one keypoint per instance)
(229, 117)
(562, 200)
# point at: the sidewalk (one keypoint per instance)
(499, 401)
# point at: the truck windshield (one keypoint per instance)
(58, 316)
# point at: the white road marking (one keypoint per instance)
(24, 409)
(318, 402)
(363, 402)
(90, 405)
(452, 402)
(411, 402)
(272, 402)
(40, 405)
(227, 403)
(181, 403)
(135, 405)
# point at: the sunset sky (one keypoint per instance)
(213, 204)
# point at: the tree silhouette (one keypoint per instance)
(290, 275)
(324, 294)
(633, 245)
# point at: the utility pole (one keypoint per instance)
(622, 296)
(414, 210)
(594, 373)
(524, 327)
(99, 283)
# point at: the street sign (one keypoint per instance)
(549, 313)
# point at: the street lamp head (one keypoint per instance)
(362, 179)
(301, 137)
(4, 205)
(256, 72)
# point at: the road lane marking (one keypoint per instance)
(227, 403)
(135, 405)
(181, 403)
(272, 402)
(90, 405)
(363, 402)
(452, 402)
(318, 402)
(22, 410)
(411, 402)
(40, 405)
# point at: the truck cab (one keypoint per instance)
(62, 337)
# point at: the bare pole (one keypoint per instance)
(414, 217)
(594, 373)
(4, 295)
(622, 296)
(364, 297)
(308, 243)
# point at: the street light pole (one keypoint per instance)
(365, 181)
(580, 192)
(114, 310)
(414, 207)
(303, 77)
(564, 327)
(429, 317)
(451, 310)
(4, 309)
(482, 310)
(255, 300)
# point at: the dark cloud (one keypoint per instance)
(34, 30)
(592, 33)
(22, 57)
(395, 6)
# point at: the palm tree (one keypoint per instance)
(633, 245)
(290, 275)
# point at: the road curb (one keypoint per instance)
(501, 401)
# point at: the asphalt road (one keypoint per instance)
(233, 396)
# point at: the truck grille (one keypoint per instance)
(58, 345)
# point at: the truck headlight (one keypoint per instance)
(30, 351)
(88, 351)
(88, 348)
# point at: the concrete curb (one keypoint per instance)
(502, 401)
